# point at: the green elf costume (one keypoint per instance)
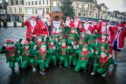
(9, 50)
(41, 58)
(73, 54)
(25, 55)
(83, 40)
(51, 54)
(63, 49)
(84, 56)
(102, 45)
(102, 64)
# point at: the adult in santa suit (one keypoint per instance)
(56, 24)
(68, 24)
(87, 27)
(32, 28)
(95, 27)
(117, 36)
(43, 27)
(77, 24)
(102, 27)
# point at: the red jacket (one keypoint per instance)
(114, 35)
(43, 28)
(90, 28)
(29, 31)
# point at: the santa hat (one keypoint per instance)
(33, 17)
(68, 17)
(9, 41)
(94, 22)
(86, 21)
(76, 17)
(104, 23)
(120, 25)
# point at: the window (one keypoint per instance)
(32, 11)
(79, 14)
(43, 11)
(28, 3)
(32, 2)
(16, 2)
(20, 10)
(35, 2)
(12, 2)
(36, 11)
(43, 1)
(15, 10)
(47, 10)
(39, 2)
(47, 2)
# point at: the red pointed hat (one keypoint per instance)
(104, 22)
(87, 21)
(68, 17)
(120, 25)
(9, 40)
(33, 17)
(76, 17)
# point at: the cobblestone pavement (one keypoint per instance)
(55, 75)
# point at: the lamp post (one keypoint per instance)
(4, 4)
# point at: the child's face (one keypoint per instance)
(52, 43)
(27, 47)
(82, 35)
(43, 48)
(63, 44)
(10, 45)
(103, 37)
(103, 55)
(84, 49)
(39, 39)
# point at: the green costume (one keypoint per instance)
(102, 64)
(83, 60)
(63, 49)
(10, 53)
(51, 54)
(41, 58)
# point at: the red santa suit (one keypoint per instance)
(68, 20)
(117, 37)
(102, 27)
(87, 27)
(43, 28)
(95, 27)
(32, 28)
(77, 23)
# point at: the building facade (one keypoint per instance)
(20, 10)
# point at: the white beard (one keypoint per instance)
(103, 29)
(76, 23)
(86, 26)
(56, 25)
(33, 23)
(67, 22)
